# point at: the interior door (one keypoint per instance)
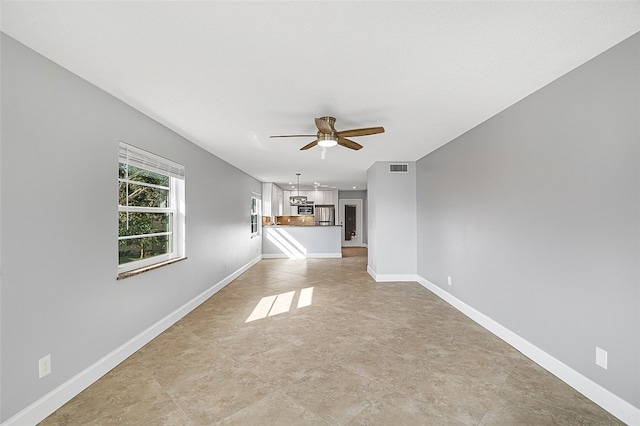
(350, 218)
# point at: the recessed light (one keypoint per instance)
(354, 187)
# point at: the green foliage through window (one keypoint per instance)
(146, 211)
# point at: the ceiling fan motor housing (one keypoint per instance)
(330, 120)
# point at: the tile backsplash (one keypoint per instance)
(289, 220)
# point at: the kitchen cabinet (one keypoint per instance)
(266, 199)
(318, 197)
(328, 198)
(272, 199)
(289, 210)
(286, 208)
(325, 198)
(276, 201)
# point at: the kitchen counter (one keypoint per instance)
(284, 225)
(301, 242)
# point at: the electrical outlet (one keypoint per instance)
(449, 280)
(601, 357)
(45, 366)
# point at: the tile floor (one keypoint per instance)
(356, 353)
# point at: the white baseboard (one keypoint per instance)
(596, 393)
(308, 256)
(43, 407)
(380, 278)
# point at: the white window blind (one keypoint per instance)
(140, 158)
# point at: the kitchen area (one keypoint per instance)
(300, 224)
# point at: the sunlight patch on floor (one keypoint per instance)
(282, 303)
(273, 305)
(306, 297)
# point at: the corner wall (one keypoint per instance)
(391, 207)
(59, 215)
(535, 214)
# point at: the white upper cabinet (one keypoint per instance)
(266, 199)
(318, 198)
(277, 200)
(286, 208)
(329, 198)
(273, 200)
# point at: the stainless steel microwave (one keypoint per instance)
(305, 210)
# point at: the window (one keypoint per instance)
(255, 214)
(150, 209)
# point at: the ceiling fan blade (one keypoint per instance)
(293, 136)
(324, 126)
(361, 132)
(349, 144)
(309, 145)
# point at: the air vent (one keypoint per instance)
(399, 168)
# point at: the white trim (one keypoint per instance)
(43, 407)
(307, 256)
(138, 264)
(131, 237)
(138, 209)
(596, 393)
(370, 272)
(381, 278)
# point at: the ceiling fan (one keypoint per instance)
(328, 136)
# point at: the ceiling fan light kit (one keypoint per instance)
(328, 136)
(326, 140)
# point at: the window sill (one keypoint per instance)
(134, 272)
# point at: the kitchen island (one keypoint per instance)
(301, 242)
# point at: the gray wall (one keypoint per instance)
(391, 220)
(59, 292)
(535, 214)
(357, 195)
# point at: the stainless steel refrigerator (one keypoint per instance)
(325, 215)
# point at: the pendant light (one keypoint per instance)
(298, 200)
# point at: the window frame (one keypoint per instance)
(141, 159)
(257, 214)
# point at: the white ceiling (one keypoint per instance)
(226, 75)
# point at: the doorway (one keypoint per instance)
(350, 217)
